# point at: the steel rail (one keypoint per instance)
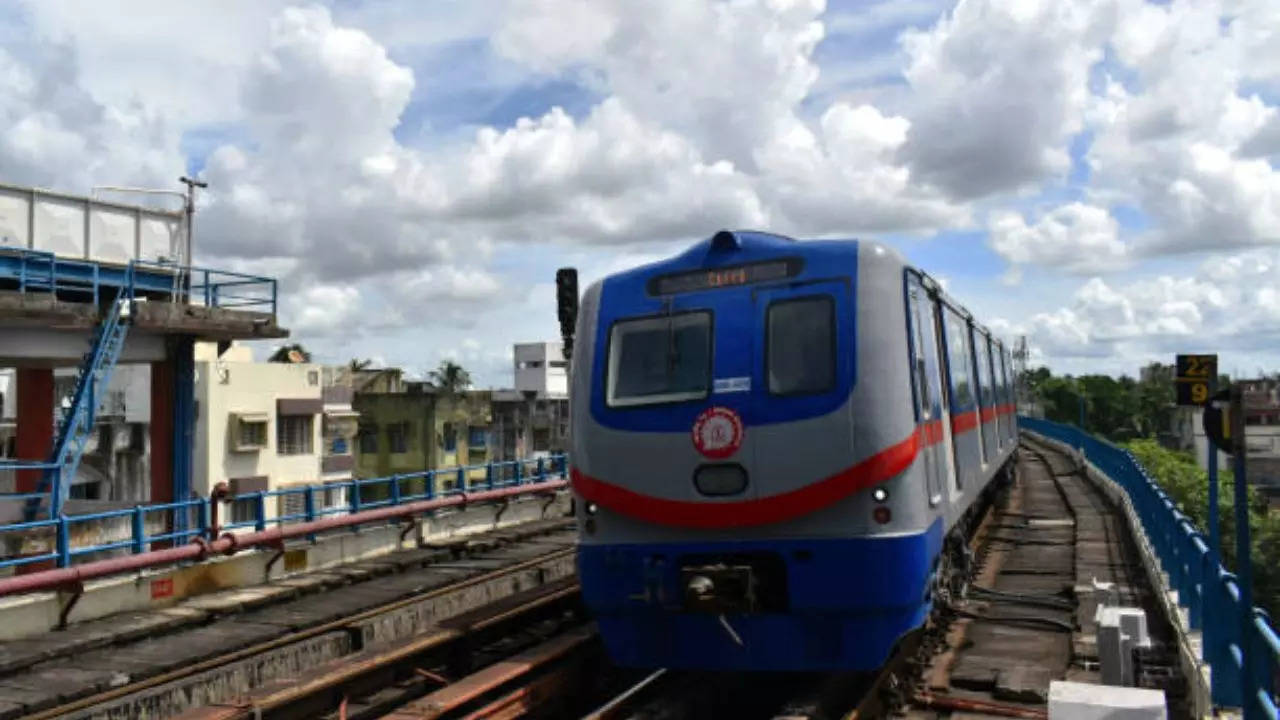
(294, 637)
(230, 543)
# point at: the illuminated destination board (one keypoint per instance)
(725, 277)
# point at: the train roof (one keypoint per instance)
(735, 247)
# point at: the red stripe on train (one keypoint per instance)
(964, 422)
(774, 508)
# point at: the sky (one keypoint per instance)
(1102, 177)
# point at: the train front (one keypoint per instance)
(743, 464)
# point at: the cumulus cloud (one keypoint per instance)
(699, 116)
(1076, 236)
(998, 89)
(1227, 304)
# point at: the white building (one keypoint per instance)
(267, 426)
(541, 368)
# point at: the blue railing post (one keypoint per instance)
(519, 472)
(64, 542)
(431, 484)
(488, 474)
(259, 511)
(139, 530)
(354, 500)
(395, 489)
(461, 483)
(309, 503)
(542, 470)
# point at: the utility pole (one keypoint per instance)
(190, 208)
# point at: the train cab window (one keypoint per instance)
(661, 359)
(801, 346)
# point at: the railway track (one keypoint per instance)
(533, 653)
(221, 659)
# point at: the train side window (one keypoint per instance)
(919, 348)
(958, 360)
(800, 355)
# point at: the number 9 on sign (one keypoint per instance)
(1199, 393)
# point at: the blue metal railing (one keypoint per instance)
(44, 272)
(396, 488)
(1239, 643)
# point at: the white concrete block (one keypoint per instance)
(1082, 701)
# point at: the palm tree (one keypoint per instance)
(356, 364)
(293, 353)
(450, 377)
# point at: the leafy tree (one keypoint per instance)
(450, 377)
(356, 364)
(282, 354)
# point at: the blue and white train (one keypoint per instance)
(775, 447)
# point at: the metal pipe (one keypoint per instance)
(229, 543)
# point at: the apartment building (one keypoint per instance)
(532, 419)
(264, 426)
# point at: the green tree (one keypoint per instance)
(356, 364)
(286, 354)
(450, 377)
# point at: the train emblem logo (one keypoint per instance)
(717, 433)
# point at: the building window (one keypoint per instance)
(244, 510)
(450, 438)
(477, 437)
(86, 491)
(558, 364)
(313, 377)
(541, 439)
(294, 434)
(530, 364)
(369, 439)
(251, 433)
(398, 437)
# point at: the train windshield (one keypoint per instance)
(660, 359)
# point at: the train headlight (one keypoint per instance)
(880, 494)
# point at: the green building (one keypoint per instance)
(409, 427)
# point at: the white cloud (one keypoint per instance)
(998, 89)
(1076, 237)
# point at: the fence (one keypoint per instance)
(202, 513)
(1239, 643)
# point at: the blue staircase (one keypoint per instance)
(77, 423)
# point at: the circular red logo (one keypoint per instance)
(717, 433)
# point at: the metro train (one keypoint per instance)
(776, 447)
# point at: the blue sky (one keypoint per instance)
(1098, 176)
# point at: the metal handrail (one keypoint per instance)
(139, 540)
(1240, 644)
(39, 270)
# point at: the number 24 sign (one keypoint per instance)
(1194, 378)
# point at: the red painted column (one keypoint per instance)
(161, 438)
(34, 439)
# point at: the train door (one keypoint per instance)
(927, 377)
(805, 362)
